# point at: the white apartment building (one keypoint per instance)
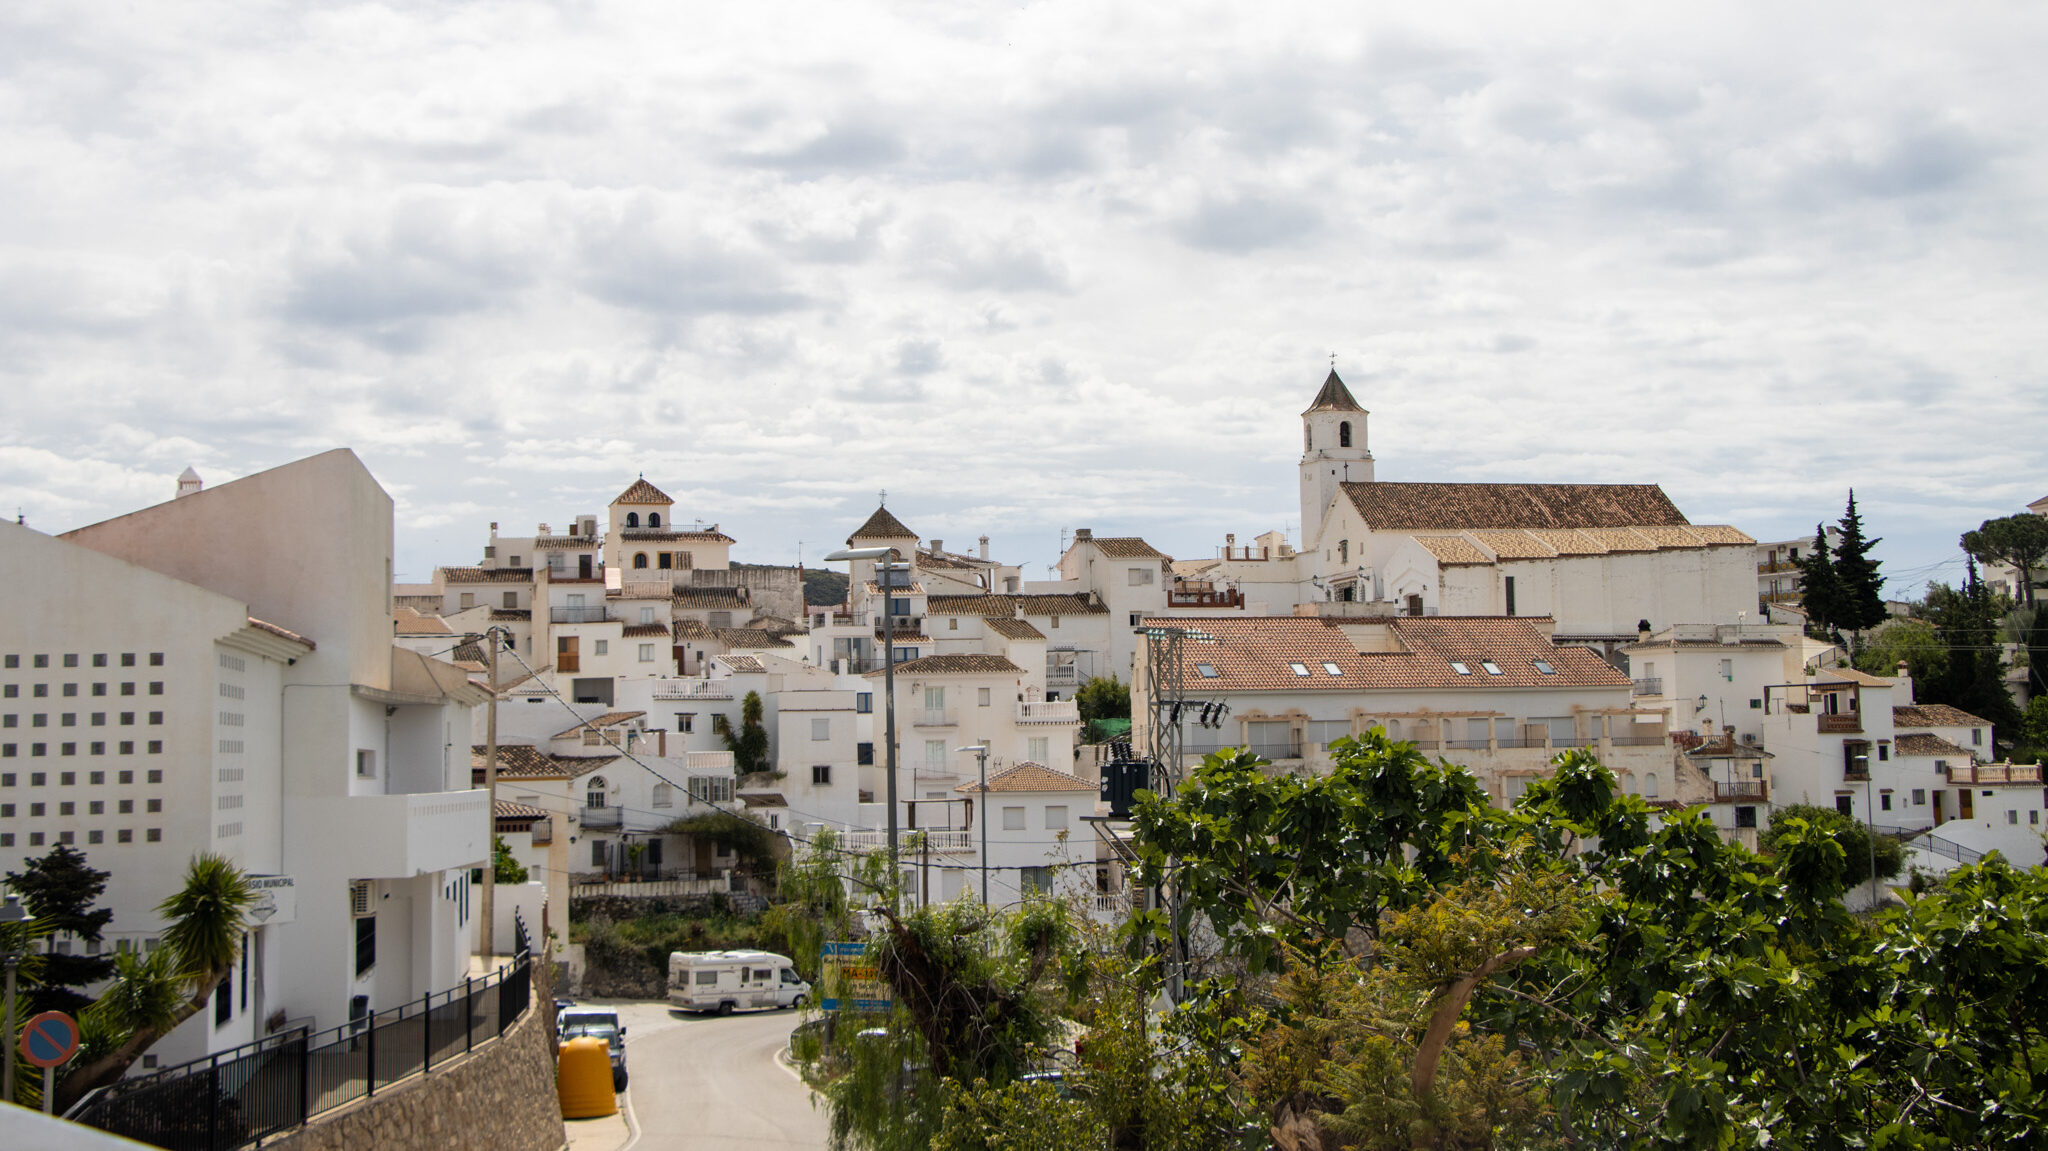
(218, 673)
(1778, 581)
(1492, 693)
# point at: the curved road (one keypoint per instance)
(705, 1081)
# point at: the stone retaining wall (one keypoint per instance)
(499, 1098)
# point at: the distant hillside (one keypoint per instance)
(821, 588)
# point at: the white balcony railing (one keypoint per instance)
(937, 842)
(1049, 711)
(686, 689)
(933, 717)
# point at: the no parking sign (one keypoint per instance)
(47, 1040)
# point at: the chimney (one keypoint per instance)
(1229, 539)
(189, 483)
(1084, 533)
(984, 547)
(494, 529)
(1642, 631)
(938, 547)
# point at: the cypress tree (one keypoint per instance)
(1820, 591)
(1860, 605)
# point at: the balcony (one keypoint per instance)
(1648, 685)
(936, 842)
(934, 717)
(576, 614)
(396, 836)
(1780, 597)
(1053, 711)
(1742, 791)
(2007, 773)
(1231, 598)
(602, 817)
(1771, 568)
(706, 689)
(1849, 723)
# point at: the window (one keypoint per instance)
(1344, 434)
(156, 659)
(1491, 667)
(153, 806)
(639, 560)
(1844, 804)
(1543, 667)
(2034, 817)
(1332, 669)
(1036, 748)
(646, 653)
(1013, 819)
(2012, 816)
(1650, 786)
(1884, 750)
(864, 702)
(821, 729)
(1884, 801)
(1056, 817)
(223, 1003)
(686, 721)
(1343, 551)
(366, 944)
(125, 807)
(468, 601)
(1509, 584)
(1298, 668)
(1728, 670)
(632, 519)
(1919, 797)
(1977, 737)
(595, 792)
(511, 601)
(935, 753)
(821, 774)
(601, 647)
(1206, 671)
(664, 795)
(1141, 577)
(711, 788)
(665, 561)
(953, 623)
(1460, 668)
(1745, 817)
(721, 723)
(366, 764)
(864, 754)
(153, 835)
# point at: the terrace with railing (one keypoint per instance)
(1993, 773)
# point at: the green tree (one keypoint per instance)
(1103, 698)
(1966, 619)
(1820, 589)
(1853, 837)
(505, 869)
(1862, 603)
(749, 745)
(2019, 542)
(2037, 653)
(60, 890)
(2032, 743)
(1913, 642)
(151, 996)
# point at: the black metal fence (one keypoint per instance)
(242, 1096)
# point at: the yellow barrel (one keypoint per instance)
(583, 1079)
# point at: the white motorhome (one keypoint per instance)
(723, 981)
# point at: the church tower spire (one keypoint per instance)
(1333, 452)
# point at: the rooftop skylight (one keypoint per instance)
(1208, 671)
(1333, 669)
(1299, 668)
(1543, 666)
(1460, 668)
(1491, 667)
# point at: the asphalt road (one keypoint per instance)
(706, 1081)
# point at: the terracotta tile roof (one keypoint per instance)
(1620, 539)
(511, 613)
(1509, 545)
(641, 630)
(1927, 743)
(715, 598)
(512, 816)
(1721, 535)
(523, 761)
(1454, 551)
(748, 637)
(666, 535)
(1258, 653)
(471, 652)
(1425, 507)
(1566, 542)
(1076, 603)
(1851, 675)
(608, 719)
(281, 632)
(882, 526)
(551, 543)
(486, 575)
(1012, 628)
(406, 621)
(1667, 538)
(643, 492)
(965, 663)
(691, 629)
(1334, 397)
(1028, 776)
(742, 662)
(1127, 548)
(911, 588)
(927, 558)
(1935, 715)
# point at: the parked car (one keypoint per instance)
(599, 1023)
(723, 981)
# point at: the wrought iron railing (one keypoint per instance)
(249, 1093)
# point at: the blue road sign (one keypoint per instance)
(49, 1039)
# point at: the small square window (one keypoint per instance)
(35, 839)
(39, 749)
(153, 835)
(71, 690)
(127, 748)
(156, 659)
(36, 810)
(127, 659)
(126, 807)
(71, 660)
(67, 837)
(1331, 668)
(125, 776)
(125, 835)
(821, 774)
(156, 747)
(68, 719)
(127, 719)
(156, 687)
(100, 660)
(95, 836)
(38, 778)
(40, 691)
(67, 808)
(67, 779)
(1543, 667)
(156, 719)
(70, 749)
(156, 775)
(6, 811)
(603, 646)
(99, 689)
(96, 807)
(153, 805)
(1013, 819)
(128, 687)
(42, 661)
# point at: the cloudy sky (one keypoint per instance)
(1029, 267)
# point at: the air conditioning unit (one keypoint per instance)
(359, 898)
(1749, 737)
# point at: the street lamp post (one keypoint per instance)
(891, 561)
(11, 917)
(980, 751)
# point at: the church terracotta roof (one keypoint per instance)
(671, 535)
(882, 526)
(643, 492)
(1334, 397)
(1259, 653)
(1453, 551)
(1451, 507)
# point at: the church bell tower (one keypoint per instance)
(1333, 452)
